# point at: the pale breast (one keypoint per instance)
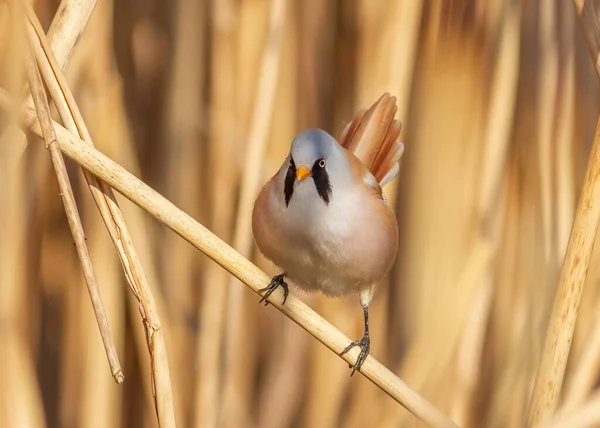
(339, 248)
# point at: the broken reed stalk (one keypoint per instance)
(43, 111)
(115, 223)
(200, 237)
(559, 335)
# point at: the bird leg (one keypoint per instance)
(276, 281)
(364, 344)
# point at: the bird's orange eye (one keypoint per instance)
(322, 163)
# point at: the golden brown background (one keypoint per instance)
(498, 101)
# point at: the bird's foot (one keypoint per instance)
(276, 281)
(365, 347)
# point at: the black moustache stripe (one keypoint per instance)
(321, 178)
(290, 177)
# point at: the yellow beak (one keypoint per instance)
(302, 173)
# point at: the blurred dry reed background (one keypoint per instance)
(200, 99)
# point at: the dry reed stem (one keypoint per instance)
(470, 352)
(547, 89)
(237, 336)
(283, 388)
(591, 29)
(585, 416)
(501, 110)
(70, 20)
(565, 176)
(557, 344)
(193, 232)
(100, 400)
(583, 378)
(43, 110)
(224, 141)
(21, 400)
(117, 228)
(564, 312)
(183, 181)
(103, 97)
(396, 48)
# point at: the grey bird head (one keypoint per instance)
(317, 160)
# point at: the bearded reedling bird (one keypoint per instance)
(323, 218)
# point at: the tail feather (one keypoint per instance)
(390, 175)
(372, 136)
(351, 128)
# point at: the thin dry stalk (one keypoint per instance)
(184, 184)
(193, 232)
(549, 379)
(21, 403)
(102, 96)
(591, 29)
(283, 388)
(237, 375)
(565, 174)
(43, 110)
(281, 335)
(70, 20)
(583, 378)
(115, 223)
(502, 102)
(431, 328)
(469, 354)
(222, 170)
(585, 416)
(100, 403)
(559, 336)
(546, 105)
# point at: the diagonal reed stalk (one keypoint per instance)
(112, 217)
(561, 327)
(43, 110)
(193, 232)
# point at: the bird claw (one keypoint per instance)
(276, 281)
(365, 347)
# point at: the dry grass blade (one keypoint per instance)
(192, 231)
(43, 110)
(557, 344)
(116, 226)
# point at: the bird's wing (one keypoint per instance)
(372, 136)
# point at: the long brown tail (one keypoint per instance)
(372, 136)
